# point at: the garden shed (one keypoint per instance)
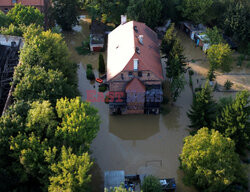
(97, 35)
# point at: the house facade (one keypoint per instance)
(134, 70)
(6, 5)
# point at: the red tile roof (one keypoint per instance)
(23, 2)
(135, 85)
(122, 43)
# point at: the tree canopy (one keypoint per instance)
(234, 121)
(219, 56)
(26, 15)
(48, 50)
(196, 10)
(237, 21)
(148, 11)
(209, 161)
(34, 83)
(214, 36)
(203, 110)
(4, 20)
(66, 13)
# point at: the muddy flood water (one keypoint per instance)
(137, 144)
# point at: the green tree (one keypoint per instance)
(214, 36)
(101, 64)
(71, 172)
(48, 50)
(196, 10)
(219, 56)
(148, 11)
(65, 13)
(151, 184)
(209, 161)
(79, 125)
(168, 40)
(203, 111)
(4, 20)
(34, 83)
(172, 49)
(109, 11)
(117, 189)
(26, 15)
(234, 121)
(237, 21)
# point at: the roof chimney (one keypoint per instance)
(140, 39)
(123, 19)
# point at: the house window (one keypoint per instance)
(122, 76)
(130, 74)
(139, 74)
(136, 62)
(13, 1)
(148, 74)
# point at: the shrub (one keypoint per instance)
(151, 184)
(191, 72)
(102, 88)
(89, 66)
(90, 75)
(228, 84)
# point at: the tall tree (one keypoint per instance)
(172, 49)
(50, 51)
(109, 11)
(196, 10)
(71, 172)
(203, 110)
(65, 13)
(26, 15)
(101, 64)
(237, 21)
(4, 20)
(34, 83)
(214, 36)
(234, 121)
(148, 11)
(209, 161)
(79, 125)
(219, 56)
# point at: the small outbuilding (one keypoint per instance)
(191, 29)
(97, 35)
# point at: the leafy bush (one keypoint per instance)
(90, 75)
(151, 184)
(191, 72)
(89, 66)
(228, 84)
(83, 49)
(102, 88)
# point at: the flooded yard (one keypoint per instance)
(137, 144)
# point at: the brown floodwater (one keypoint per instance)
(137, 144)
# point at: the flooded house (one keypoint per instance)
(134, 69)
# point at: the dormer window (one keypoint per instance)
(130, 74)
(136, 29)
(137, 49)
(136, 62)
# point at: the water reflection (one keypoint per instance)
(134, 127)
